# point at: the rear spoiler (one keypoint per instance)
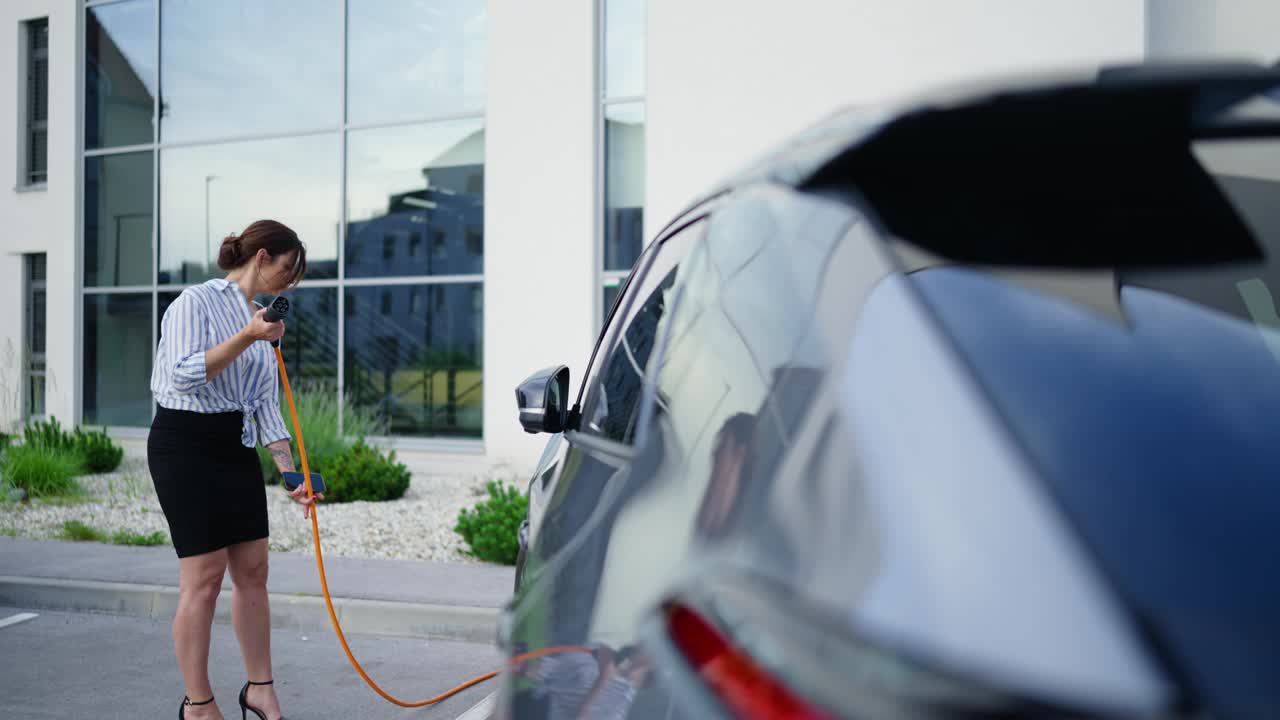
(1093, 175)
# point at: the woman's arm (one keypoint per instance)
(220, 357)
(282, 455)
(182, 334)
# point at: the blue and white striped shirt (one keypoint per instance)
(203, 317)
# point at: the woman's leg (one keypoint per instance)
(251, 615)
(199, 582)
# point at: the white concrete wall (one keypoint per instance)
(1225, 29)
(40, 221)
(727, 79)
(539, 206)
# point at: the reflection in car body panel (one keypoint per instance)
(899, 425)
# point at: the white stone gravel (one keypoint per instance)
(418, 526)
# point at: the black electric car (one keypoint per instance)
(968, 409)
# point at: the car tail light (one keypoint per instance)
(750, 691)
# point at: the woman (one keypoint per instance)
(215, 382)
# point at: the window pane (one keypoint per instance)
(38, 318)
(624, 48)
(35, 396)
(210, 192)
(38, 267)
(310, 344)
(624, 185)
(120, 74)
(613, 385)
(117, 220)
(610, 295)
(420, 370)
(415, 199)
(238, 67)
(414, 58)
(38, 71)
(117, 359)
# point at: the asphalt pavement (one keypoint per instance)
(69, 665)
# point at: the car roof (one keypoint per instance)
(1175, 99)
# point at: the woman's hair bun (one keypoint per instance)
(230, 255)
(274, 237)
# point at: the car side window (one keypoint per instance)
(744, 354)
(613, 394)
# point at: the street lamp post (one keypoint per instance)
(208, 262)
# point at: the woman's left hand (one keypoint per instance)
(299, 495)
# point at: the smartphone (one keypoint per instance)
(294, 479)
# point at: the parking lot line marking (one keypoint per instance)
(15, 619)
(482, 710)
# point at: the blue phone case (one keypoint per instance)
(294, 479)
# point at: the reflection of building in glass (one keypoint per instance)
(437, 230)
(415, 350)
(624, 192)
(118, 103)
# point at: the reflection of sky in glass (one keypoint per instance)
(414, 59)
(624, 141)
(293, 180)
(120, 74)
(131, 26)
(624, 48)
(240, 67)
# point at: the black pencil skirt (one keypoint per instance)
(209, 484)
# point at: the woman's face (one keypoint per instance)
(275, 271)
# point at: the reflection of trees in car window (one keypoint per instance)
(612, 394)
(624, 373)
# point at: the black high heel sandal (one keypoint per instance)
(182, 709)
(245, 707)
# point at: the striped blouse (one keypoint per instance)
(201, 318)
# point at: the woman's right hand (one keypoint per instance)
(259, 329)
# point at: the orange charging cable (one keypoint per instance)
(328, 601)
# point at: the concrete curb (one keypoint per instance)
(293, 612)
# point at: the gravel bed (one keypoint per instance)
(419, 526)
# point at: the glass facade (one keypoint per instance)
(117, 359)
(246, 67)
(414, 59)
(622, 144)
(120, 74)
(202, 116)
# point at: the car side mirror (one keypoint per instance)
(542, 400)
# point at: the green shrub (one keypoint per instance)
(48, 434)
(80, 532)
(490, 527)
(362, 472)
(94, 449)
(41, 471)
(318, 409)
(98, 452)
(126, 537)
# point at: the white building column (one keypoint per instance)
(540, 268)
(41, 221)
